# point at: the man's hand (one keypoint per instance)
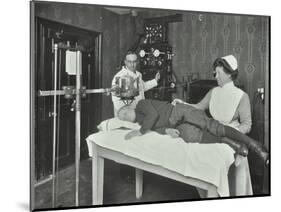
(132, 134)
(157, 76)
(174, 133)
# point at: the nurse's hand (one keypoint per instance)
(132, 134)
(177, 101)
(174, 133)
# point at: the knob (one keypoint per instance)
(142, 53)
(156, 53)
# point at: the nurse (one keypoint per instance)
(227, 103)
(231, 106)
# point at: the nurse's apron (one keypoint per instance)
(224, 102)
(223, 105)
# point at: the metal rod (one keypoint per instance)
(98, 90)
(77, 125)
(58, 127)
(62, 92)
(54, 128)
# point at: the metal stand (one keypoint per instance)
(69, 92)
(77, 125)
(54, 129)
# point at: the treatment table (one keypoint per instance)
(205, 166)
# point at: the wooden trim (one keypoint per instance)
(32, 104)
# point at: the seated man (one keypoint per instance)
(163, 118)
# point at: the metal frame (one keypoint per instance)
(78, 92)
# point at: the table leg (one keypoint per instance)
(97, 178)
(212, 193)
(202, 193)
(139, 183)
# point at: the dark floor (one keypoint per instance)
(116, 189)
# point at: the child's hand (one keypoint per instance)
(177, 101)
(132, 134)
(174, 133)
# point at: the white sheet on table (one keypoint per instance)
(207, 162)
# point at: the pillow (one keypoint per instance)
(115, 123)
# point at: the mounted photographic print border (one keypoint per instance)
(189, 43)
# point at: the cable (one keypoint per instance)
(254, 101)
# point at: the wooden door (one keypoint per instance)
(48, 33)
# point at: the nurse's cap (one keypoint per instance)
(231, 60)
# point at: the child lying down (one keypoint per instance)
(191, 124)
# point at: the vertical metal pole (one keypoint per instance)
(77, 124)
(58, 126)
(55, 46)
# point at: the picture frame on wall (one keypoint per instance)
(89, 62)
